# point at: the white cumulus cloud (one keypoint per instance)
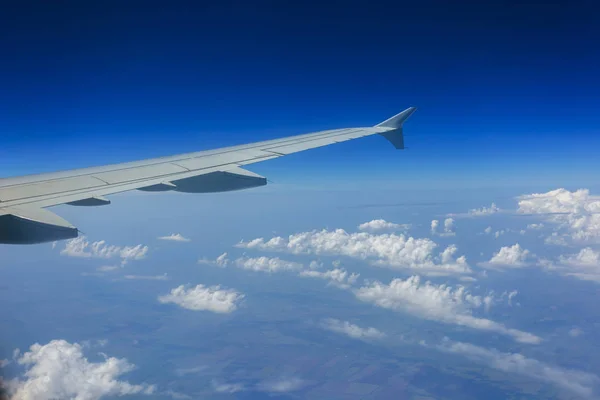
(203, 298)
(448, 227)
(390, 250)
(351, 330)
(175, 237)
(267, 264)
(583, 265)
(576, 382)
(59, 370)
(576, 214)
(338, 276)
(378, 225)
(509, 256)
(484, 211)
(80, 247)
(441, 303)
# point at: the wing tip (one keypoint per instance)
(397, 120)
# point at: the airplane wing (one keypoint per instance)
(24, 219)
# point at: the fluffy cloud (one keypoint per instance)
(434, 226)
(203, 298)
(257, 264)
(509, 256)
(535, 227)
(391, 250)
(267, 264)
(338, 276)
(378, 225)
(448, 227)
(484, 211)
(80, 247)
(175, 237)
(221, 261)
(351, 330)
(59, 370)
(576, 382)
(439, 303)
(582, 265)
(577, 213)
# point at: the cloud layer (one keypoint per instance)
(391, 250)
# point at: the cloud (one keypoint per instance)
(221, 261)
(267, 264)
(351, 330)
(228, 387)
(192, 370)
(163, 277)
(448, 227)
(175, 237)
(378, 225)
(59, 370)
(338, 276)
(441, 303)
(434, 226)
(80, 247)
(575, 332)
(203, 298)
(535, 227)
(478, 212)
(576, 214)
(176, 395)
(282, 385)
(484, 211)
(584, 265)
(389, 250)
(577, 382)
(509, 256)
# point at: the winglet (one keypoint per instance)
(395, 135)
(397, 120)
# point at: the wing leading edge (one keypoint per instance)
(23, 219)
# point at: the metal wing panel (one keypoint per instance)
(140, 173)
(39, 189)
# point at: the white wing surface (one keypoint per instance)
(23, 219)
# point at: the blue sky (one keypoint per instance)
(333, 281)
(505, 93)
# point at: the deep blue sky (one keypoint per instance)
(505, 92)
